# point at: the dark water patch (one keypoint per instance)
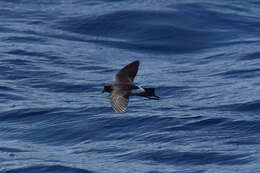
(108, 1)
(248, 106)
(63, 86)
(193, 14)
(8, 96)
(164, 108)
(198, 124)
(25, 53)
(29, 114)
(243, 73)
(11, 150)
(255, 2)
(190, 158)
(56, 132)
(6, 89)
(141, 46)
(4, 29)
(53, 58)
(15, 74)
(105, 25)
(191, 117)
(93, 129)
(170, 91)
(184, 71)
(251, 56)
(130, 20)
(2, 160)
(187, 171)
(141, 129)
(142, 31)
(94, 68)
(240, 42)
(48, 56)
(30, 75)
(218, 56)
(109, 70)
(38, 114)
(24, 39)
(206, 123)
(141, 123)
(65, 37)
(9, 14)
(224, 8)
(176, 171)
(251, 106)
(245, 127)
(48, 168)
(4, 69)
(207, 97)
(98, 2)
(23, 15)
(7, 130)
(156, 137)
(112, 150)
(19, 62)
(247, 141)
(96, 110)
(28, 2)
(57, 135)
(45, 125)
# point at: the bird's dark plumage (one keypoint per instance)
(120, 90)
(128, 73)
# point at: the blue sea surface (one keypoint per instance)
(202, 56)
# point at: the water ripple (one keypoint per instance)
(47, 168)
(202, 57)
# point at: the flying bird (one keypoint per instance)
(124, 87)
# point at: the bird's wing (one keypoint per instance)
(119, 100)
(128, 73)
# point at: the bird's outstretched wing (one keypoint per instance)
(119, 100)
(128, 73)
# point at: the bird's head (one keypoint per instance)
(107, 88)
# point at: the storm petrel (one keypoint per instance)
(124, 87)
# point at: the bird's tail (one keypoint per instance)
(149, 93)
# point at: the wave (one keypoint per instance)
(48, 168)
(251, 106)
(193, 158)
(202, 58)
(153, 31)
(242, 73)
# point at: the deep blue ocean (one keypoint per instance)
(202, 56)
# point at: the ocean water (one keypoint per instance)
(203, 58)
